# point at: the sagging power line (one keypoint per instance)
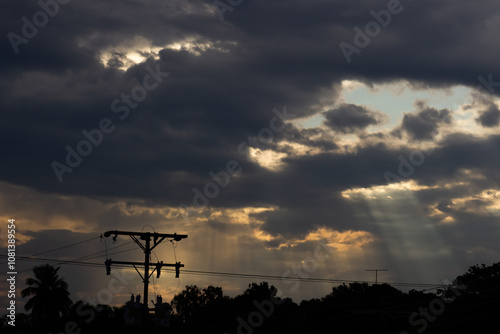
(228, 274)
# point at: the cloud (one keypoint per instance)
(225, 79)
(350, 118)
(490, 117)
(425, 124)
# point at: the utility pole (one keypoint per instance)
(376, 273)
(147, 248)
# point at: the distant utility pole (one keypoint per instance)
(147, 248)
(376, 273)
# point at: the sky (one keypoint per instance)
(287, 138)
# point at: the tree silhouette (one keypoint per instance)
(49, 295)
(194, 302)
(481, 279)
(188, 302)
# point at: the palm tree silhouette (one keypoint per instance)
(50, 297)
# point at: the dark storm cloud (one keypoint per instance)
(425, 124)
(312, 138)
(444, 205)
(308, 189)
(490, 117)
(462, 158)
(264, 55)
(350, 118)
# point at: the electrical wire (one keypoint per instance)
(201, 273)
(154, 282)
(105, 245)
(142, 230)
(177, 287)
(174, 247)
(88, 257)
(67, 246)
(232, 275)
(59, 248)
(61, 262)
(204, 273)
(306, 279)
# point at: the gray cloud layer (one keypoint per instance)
(266, 54)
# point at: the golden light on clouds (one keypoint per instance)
(196, 47)
(137, 49)
(384, 191)
(21, 238)
(341, 241)
(345, 241)
(263, 236)
(73, 224)
(239, 216)
(444, 218)
(448, 220)
(351, 84)
(297, 149)
(137, 210)
(268, 159)
(251, 226)
(486, 200)
(130, 52)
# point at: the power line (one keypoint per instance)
(60, 262)
(240, 275)
(63, 247)
(88, 257)
(307, 279)
(67, 246)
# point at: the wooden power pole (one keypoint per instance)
(147, 248)
(376, 273)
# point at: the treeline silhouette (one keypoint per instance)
(471, 304)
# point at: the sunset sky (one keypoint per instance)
(251, 129)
